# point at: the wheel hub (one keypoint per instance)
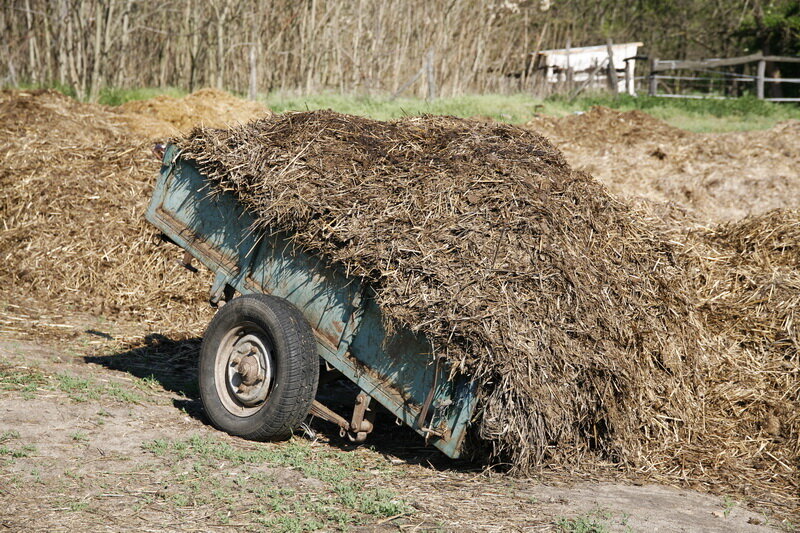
(249, 371)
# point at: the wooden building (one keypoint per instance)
(587, 67)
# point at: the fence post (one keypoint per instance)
(762, 68)
(430, 75)
(612, 78)
(652, 89)
(252, 90)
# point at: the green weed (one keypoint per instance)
(592, 522)
(8, 435)
(79, 436)
(78, 506)
(728, 504)
(25, 451)
(25, 380)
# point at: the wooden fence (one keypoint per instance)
(732, 83)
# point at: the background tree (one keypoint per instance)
(363, 46)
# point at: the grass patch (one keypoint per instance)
(78, 506)
(595, 521)
(15, 453)
(747, 113)
(8, 435)
(28, 380)
(119, 96)
(738, 114)
(79, 436)
(513, 108)
(22, 379)
(344, 498)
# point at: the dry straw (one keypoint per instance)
(74, 185)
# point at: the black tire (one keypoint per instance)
(278, 338)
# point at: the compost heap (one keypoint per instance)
(680, 177)
(566, 307)
(74, 184)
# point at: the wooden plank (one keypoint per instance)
(782, 99)
(612, 70)
(661, 65)
(782, 59)
(653, 85)
(783, 80)
(694, 96)
(430, 76)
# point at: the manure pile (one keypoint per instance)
(680, 177)
(571, 312)
(74, 184)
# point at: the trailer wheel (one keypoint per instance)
(259, 368)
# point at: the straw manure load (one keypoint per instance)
(570, 311)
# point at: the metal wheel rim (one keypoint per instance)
(228, 377)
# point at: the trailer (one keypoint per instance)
(288, 322)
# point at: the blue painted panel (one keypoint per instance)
(325, 296)
(396, 370)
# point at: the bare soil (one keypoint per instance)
(74, 459)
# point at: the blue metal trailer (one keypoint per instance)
(244, 358)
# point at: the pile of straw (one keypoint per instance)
(74, 184)
(748, 291)
(565, 306)
(164, 116)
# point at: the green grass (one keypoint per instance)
(30, 380)
(739, 114)
(79, 436)
(746, 113)
(14, 452)
(343, 499)
(117, 96)
(592, 522)
(514, 108)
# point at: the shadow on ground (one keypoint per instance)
(173, 364)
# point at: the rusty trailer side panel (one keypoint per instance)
(397, 370)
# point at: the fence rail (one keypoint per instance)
(707, 66)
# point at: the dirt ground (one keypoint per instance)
(100, 421)
(87, 443)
